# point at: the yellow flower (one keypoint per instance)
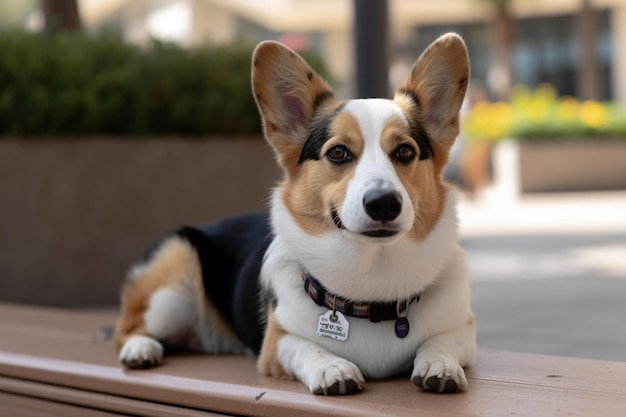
(502, 114)
(536, 112)
(568, 109)
(489, 121)
(594, 114)
(545, 92)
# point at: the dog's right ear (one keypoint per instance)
(287, 92)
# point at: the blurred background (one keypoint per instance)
(122, 119)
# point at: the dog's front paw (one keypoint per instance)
(437, 373)
(141, 352)
(337, 377)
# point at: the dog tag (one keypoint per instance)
(334, 325)
(402, 327)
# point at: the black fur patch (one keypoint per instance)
(418, 133)
(231, 254)
(320, 98)
(318, 135)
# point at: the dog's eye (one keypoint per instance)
(404, 154)
(339, 154)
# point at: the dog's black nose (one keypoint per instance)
(382, 205)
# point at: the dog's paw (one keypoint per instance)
(141, 352)
(337, 377)
(437, 373)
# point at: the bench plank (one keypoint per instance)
(23, 391)
(18, 406)
(40, 347)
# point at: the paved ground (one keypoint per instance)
(549, 273)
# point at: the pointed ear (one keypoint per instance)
(435, 88)
(287, 92)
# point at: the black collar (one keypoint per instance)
(375, 311)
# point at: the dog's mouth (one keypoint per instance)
(375, 233)
(380, 233)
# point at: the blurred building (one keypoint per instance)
(546, 48)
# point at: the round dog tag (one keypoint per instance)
(402, 327)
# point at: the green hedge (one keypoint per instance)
(79, 85)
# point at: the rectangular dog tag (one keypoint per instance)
(333, 325)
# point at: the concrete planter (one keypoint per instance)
(75, 213)
(559, 165)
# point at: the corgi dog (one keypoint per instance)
(356, 272)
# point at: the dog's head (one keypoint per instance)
(368, 168)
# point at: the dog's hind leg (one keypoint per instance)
(164, 306)
(155, 303)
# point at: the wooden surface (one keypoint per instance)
(52, 362)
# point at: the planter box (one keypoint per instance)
(559, 165)
(74, 214)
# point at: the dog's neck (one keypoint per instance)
(367, 271)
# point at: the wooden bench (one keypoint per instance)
(52, 363)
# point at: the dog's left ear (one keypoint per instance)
(287, 92)
(436, 86)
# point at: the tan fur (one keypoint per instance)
(421, 179)
(164, 271)
(267, 363)
(174, 264)
(414, 114)
(321, 186)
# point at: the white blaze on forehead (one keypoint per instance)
(373, 115)
(374, 169)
